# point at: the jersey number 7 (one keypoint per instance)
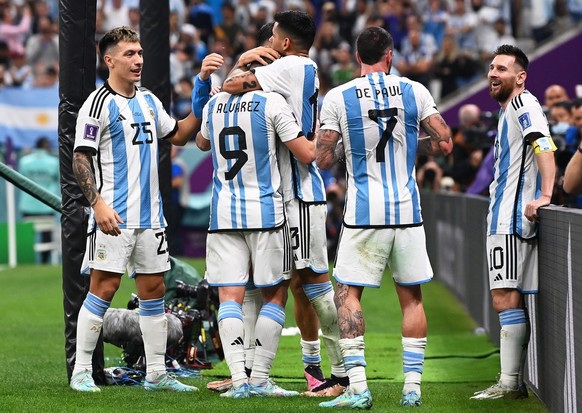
(376, 115)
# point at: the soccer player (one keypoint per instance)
(116, 164)
(378, 117)
(295, 77)
(248, 220)
(523, 182)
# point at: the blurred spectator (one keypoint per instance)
(326, 39)
(41, 10)
(200, 16)
(428, 174)
(489, 41)
(561, 120)
(14, 33)
(20, 72)
(464, 172)
(182, 101)
(393, 14)
(573, 173)
(46, 76)
(462, 23)
(436, 20)
(133, 19)
(344, 69)
(43, 168)
(4, 53)
(472, 133)
(554, 94)
(116, 14)
(541, 18)
(453, 67)
(43, 48)
(362, 11)
(229, 30)
(418, 55)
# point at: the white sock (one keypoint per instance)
(355, 362)
(154, 330)
(88, 329)
(512, 345)
(89, 324)
(251, 306)
(231, 329)
(412, 363)
(268, 332)
(327, 314)
(311, 353)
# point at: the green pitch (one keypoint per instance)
(33, 375)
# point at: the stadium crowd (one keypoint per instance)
(444, 44)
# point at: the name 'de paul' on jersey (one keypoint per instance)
(384, 92)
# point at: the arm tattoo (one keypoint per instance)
(85, 176)
(325, 148)
(249, 85)
(424, 146)
(350, 319)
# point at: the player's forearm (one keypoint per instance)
(573, 175)
(325, 155)
(547, 167)
(440, 134)
(187, 128)
(85, 177)
(242, 83)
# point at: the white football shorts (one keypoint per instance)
(364, 253)
(139, 251)
(308, 236)
(513, 263)
(231, 255)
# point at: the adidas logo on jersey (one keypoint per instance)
(498, 278)
(121, 118)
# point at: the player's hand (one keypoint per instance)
(215, 90)
(263, 55)
(107, 219)
(531, 209)
(210, 64)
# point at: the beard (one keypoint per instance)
(502, 94)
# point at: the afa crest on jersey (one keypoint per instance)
(525, 121)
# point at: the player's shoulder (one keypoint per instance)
(96, 101)
(524, 100)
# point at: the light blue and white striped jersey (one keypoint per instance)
(295, 78)
(244, 131)
(516, 178)
(122, 133)
(378, 116)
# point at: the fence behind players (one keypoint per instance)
(456, 229)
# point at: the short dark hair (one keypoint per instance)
(114, 36)
(576, 103)
(373, 43)
(265, 33)
(299, 26)
(510, 50)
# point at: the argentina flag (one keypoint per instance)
(27, 114)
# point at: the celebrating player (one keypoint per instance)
(378, 118)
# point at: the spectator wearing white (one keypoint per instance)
(116, 14)
(462, 23)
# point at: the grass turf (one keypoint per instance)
(32, 361)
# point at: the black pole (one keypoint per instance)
(154, 31)
(77, 61)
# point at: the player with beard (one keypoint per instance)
(523, 182)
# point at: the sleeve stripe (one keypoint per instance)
(97, 104)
